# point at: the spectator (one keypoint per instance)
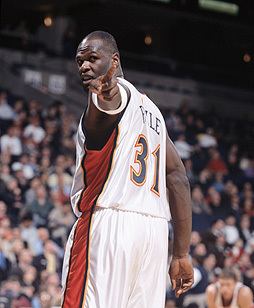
(230, 230)
(34, 130)
(29, 234)
(216, 163)
(11, 143)
(7, 113)
(183, 148)
(207, 140)
(201, 216)
(41, 207)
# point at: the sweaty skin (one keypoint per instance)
(99, 71)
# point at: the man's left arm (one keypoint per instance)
(181, 270)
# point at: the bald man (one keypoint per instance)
(116, 255)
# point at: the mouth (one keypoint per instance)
(86, 79)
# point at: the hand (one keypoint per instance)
(181, 274)
(105, 86)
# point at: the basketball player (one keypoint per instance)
(116, 255)
(228, 292)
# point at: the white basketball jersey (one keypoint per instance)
(137, 177)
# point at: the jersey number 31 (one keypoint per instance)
(138, 177)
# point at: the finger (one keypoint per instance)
(183, 288)
(179, 292)
(108, 85)
(173, 282)
(95, 86)
(187, 285)
(108, 76)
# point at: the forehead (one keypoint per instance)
(90, 45)
(227, 281)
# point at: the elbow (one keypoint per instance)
(178, 177)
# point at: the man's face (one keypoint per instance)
(227, 286)
(93, 60)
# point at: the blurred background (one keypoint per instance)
(194, 59)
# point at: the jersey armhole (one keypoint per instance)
(102, 142)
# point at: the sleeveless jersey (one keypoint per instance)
(218, 300)
(135, 176)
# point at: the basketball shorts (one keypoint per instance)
(126, 262)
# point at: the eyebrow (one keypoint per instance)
(82, 53)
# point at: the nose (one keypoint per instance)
(84, 68)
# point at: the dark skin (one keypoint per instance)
(99, 70)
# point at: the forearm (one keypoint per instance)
(180, 207)
(98, 127)
(97, 124)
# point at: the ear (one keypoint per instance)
(116, 59)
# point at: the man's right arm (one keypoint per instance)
(101, 116)
(97, 126)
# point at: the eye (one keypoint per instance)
(92, 59)
(79, 62)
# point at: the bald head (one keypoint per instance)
(95, 56)
(108, 41)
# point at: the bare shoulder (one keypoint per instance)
(245, 297)
(211, 292)
(211, 289)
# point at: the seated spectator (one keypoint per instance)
(183, 148)
(201, 216)
(61, 219)
(209, 264)
(247, 165)
(34, 130)
(207, 140)
(7, 114)
(229, 292)
(13, 197)
(219, 207)
(230, 230)
(5, 265)
(10, 291)
(11, 143)
(40, 207)
(216, 163)
(30, 235)
(245, 228)
(218, 183)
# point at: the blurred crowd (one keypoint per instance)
(37, 148)
(218, 156)
(37, 163)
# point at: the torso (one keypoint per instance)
(136, 180)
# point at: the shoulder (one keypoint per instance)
(245, 297)
(211, 289)
(211, 293)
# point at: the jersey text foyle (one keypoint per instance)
(148, 118)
